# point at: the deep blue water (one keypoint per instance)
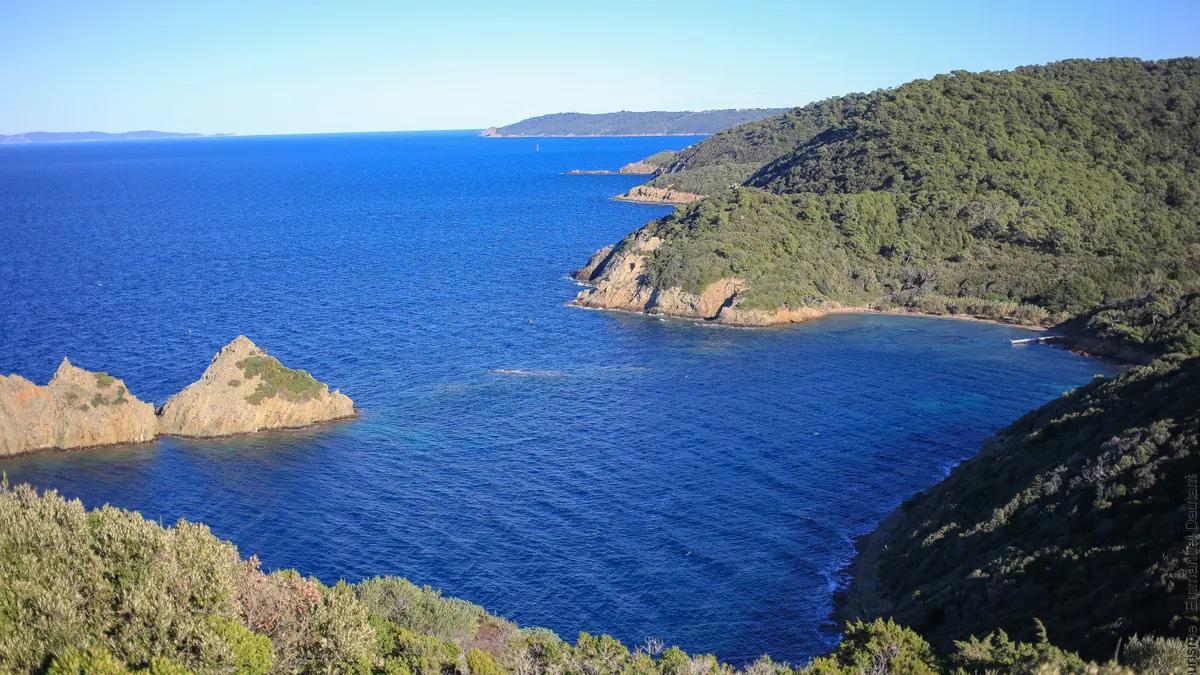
(696, 484)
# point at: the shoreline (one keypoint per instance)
(827, 312)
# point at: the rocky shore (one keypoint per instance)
(646, 194)
(616, 276)
(243, 390)
(76, 409)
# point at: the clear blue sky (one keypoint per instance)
(292, 67)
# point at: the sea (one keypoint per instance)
(643, 477)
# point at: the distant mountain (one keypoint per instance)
(625, 123)
(73, 136)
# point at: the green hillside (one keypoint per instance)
(732, 156)
(1035, 194)
(1075, 514)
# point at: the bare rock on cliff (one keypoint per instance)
(639, 168)
(77, 409)
(245, 390)
(646, 194)
(617, 277)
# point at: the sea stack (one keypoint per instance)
(77, 409)
(245, 390)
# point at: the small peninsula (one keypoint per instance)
(627, 123)
(244, 390)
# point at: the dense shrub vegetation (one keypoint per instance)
(1076, 514)
(1034, 195)
(276, 379)
(109, 592)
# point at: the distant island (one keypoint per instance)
(627, 123)
(78, 136)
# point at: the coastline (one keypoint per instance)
(824, 313)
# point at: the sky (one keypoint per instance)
(310, 67)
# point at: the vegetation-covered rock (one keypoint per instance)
(245, 390)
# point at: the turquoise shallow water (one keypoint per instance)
(644, 478)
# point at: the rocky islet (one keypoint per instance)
(244, 390)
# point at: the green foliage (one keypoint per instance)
(94, 661)
(104, 380)
(251, 652)
(1156, 655)
(878, 647)
(401, 650)
(108, 592)
(1074, 513)
(481, 663)
(995, 653)
(74, 580)
(276, 379)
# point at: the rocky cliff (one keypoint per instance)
(77, 409)
(245, 390)
(617, 276)
(646, 194)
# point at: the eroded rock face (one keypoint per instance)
(617, 276)
(77, 409)
(647, 194)
(245, 390)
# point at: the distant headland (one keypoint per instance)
(627, 123)
(80, 136)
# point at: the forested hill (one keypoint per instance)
(625, 123)
(1075, 515)
(1040, 193)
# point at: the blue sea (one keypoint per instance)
(627, 475)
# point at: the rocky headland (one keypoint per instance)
(244, 390)
(616, 276)
(77, 409)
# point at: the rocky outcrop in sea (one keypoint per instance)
(77, 409)
(244, 390)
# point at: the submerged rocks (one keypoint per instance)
(77, 409)
(245, 390)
